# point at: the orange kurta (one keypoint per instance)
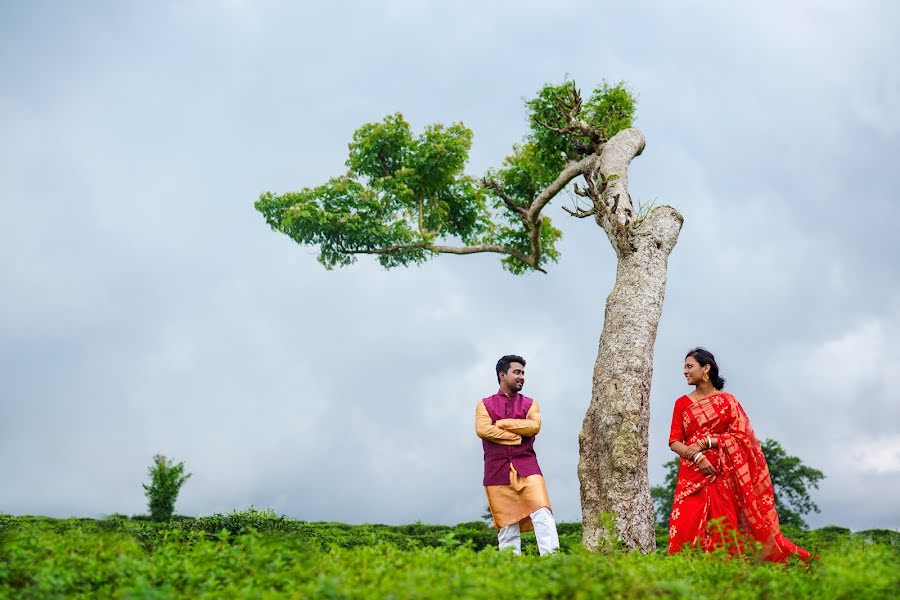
(514, 502)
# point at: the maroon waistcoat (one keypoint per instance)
(497, 458)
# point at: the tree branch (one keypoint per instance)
(421, 215)
(476, 249)
(575, 97)
(572, 170)
(534, 238)
(577, 125)
(580, 213)
(510, 204)
(607, 181)
(588, 130)
(545, 125)
(574, 124)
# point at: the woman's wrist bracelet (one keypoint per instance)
(698, 457)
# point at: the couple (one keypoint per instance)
(723, 494)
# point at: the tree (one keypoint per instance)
(664, 495)
(166, 479)
(405, 198)
(791, 480)
(487, 516)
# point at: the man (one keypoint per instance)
(507, 423)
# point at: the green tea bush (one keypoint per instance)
(187, 558)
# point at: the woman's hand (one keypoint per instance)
(706, 467)
(692, 451)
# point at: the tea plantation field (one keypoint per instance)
(256, 554)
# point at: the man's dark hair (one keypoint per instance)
(503, 364)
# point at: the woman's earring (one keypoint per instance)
(705, 377)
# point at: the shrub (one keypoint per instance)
(166, 479)
(82, 558)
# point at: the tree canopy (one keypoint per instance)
(406, 197)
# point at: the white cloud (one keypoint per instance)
(147, 307)
(877, 103)
(853, 372)
(879, 455)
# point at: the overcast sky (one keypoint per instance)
(146, 307)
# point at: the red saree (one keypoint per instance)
(739, 496)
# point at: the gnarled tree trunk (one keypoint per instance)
(612, 467)
(403, 194)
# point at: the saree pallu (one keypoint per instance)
(737, 502)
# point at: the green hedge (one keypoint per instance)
(258, 554)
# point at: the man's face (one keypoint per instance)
(514, 377)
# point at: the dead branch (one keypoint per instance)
(580, 213)
(580, 192)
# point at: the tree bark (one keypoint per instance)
(612, 467)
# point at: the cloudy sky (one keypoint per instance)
(146, 307)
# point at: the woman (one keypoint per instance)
(723, 494)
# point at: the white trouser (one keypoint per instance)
(544, 531)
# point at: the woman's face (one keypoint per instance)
(693, 372)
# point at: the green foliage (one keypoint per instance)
(791, 480)
(517, 238)
(82, 558)
(664, 495)
(401, 191)
(611, 108)
(405, 194)
(550, 149)
(166, 479)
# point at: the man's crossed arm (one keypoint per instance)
(507, 432)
